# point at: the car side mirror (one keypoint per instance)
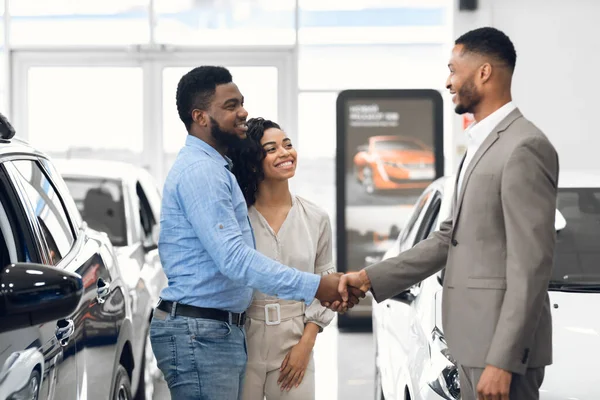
(33, 294)
(151, 242)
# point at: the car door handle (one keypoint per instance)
(102, 290)
(64, 330)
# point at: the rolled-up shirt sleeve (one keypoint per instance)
(324, 265)
(216, 226)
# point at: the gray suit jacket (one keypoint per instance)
(498, 250)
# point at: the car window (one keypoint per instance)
(577, 251)
(429, 219)
(146, 216)
(48, 208)
(409, 230)
(152, 192)
(63, 191)
(101, 204)
(15, 237)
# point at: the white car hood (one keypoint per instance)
(576, 348)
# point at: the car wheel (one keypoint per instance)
(368, 182)
(122, 389)
(34, 384)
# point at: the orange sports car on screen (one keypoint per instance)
(394, 162)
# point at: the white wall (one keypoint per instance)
(557, 77)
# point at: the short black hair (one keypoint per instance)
(247, 159)
(490, 42)
(197, 88)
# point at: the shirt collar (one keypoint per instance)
(193, 141)
(477, 132)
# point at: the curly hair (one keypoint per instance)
(247, 158)
(196, 89)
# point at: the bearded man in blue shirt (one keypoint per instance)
(206, 247)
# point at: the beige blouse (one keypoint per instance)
(304, 242)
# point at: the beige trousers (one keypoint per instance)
(267, 347)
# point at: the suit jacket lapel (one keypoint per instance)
(487, 143)
(460, 166)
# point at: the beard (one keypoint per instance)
(468, 97)
(224, 138)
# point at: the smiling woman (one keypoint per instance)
(293, 231)
(267, 156)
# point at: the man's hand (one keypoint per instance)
(494, 384)
(328, 293)
(346, 287)
(359, 280)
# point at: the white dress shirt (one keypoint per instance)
(478, 132)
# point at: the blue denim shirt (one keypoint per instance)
(206, 244)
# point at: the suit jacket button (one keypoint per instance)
(454, 242)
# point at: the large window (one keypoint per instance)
(225, 22)
(86, 111)
(316, 124)
(371, 21)
(84, 22)
(116, 99)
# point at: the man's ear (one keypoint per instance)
(200, 117)
(485, 72)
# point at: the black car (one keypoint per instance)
(65, 317)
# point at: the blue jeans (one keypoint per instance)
(201, 359)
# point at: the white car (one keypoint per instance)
(123, 201)
(412, 359)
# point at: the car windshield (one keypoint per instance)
(101, 204)
(397, 145)
(577, 253)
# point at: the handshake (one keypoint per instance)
(340, 292)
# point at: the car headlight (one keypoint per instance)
(394, 164)
(446, 382)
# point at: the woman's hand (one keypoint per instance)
(294, 365)
(295, 362)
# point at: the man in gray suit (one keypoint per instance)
(498, 245)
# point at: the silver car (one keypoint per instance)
(123, 201)
(412, 359)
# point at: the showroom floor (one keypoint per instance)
(344, 363)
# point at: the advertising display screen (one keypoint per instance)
(389, 149)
